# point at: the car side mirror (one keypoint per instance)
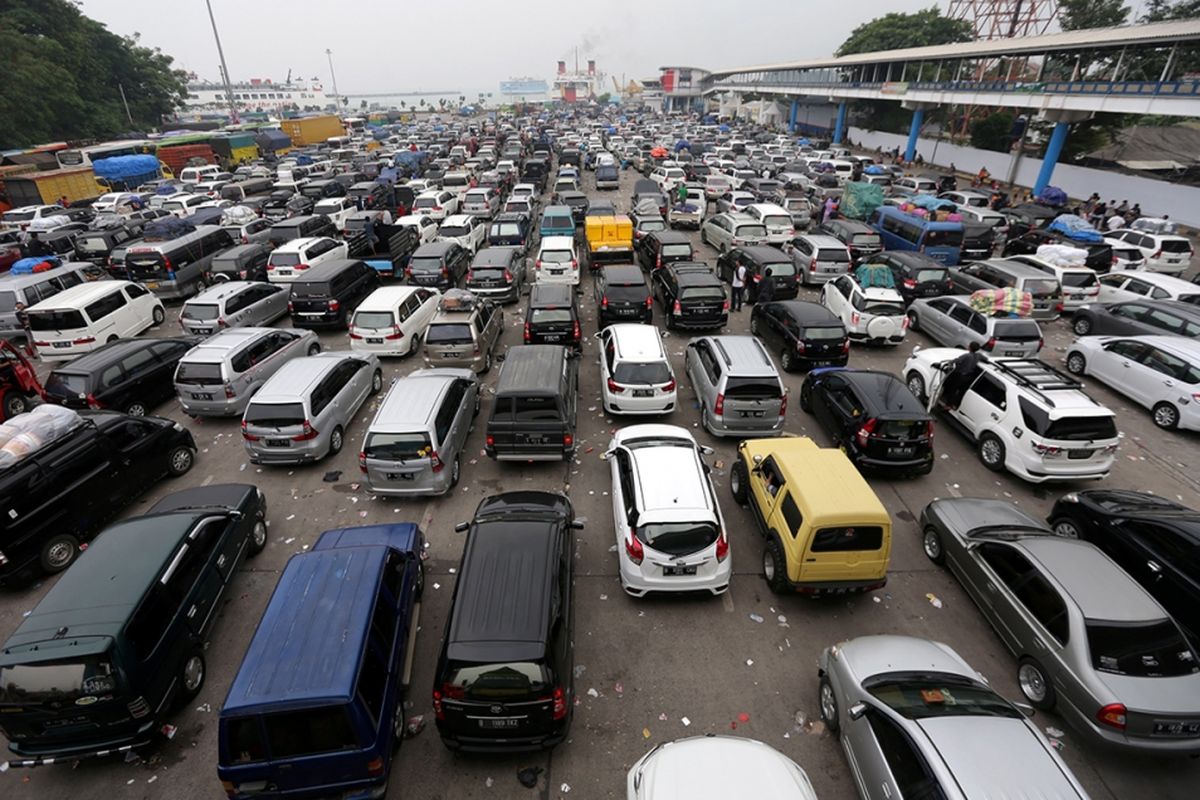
(462, 527)
(757, 461)
(708, 451)
(1025, 709)
(970, 546)
(577, 524)
(857, 710)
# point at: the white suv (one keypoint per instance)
(669, 529)
(635, 374)
(467, 230)
(874, 314)
(289, 261)
(778, 222)
(1164, 252)
(1024, 415)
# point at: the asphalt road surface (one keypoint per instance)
(653, 670)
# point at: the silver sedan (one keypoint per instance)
(915, 720)
(1091, 643)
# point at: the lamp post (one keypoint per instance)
(336, 96)
(233, 115)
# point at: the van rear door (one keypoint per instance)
(845, 553)
(512, 700)
(752, 403)
(528, 427)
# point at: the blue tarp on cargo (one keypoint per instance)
(124, 168)
(1076, 228)
(166, 228)
(271, 140)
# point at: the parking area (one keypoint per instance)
(648, 670)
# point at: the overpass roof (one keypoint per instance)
(1155, 33)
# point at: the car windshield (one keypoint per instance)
(274, 415)
(678, 538)
(506, 681)
(200, 311)
(198, 373)
(1154, 649)
(58, 681)
(642, 373)
(938, 695)
(448, 333)
(397, 446)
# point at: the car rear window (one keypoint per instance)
(685, 250)
(58, 681)
(943, 238)
(1025, 330)
(924, 275)
(1175, 246)
(752, 388)
(678, 538)
(556, 256)
(1068, 429)
(309, 731)
(505, 681)
(847, 538)
(200, 311)
(397, 446)
(311, 289)
(92, 244)
(426, 264)
(885, 309)
(275, 415)
(8, 301)
(198, 373)
(702, 293)
(750, 230)
(637, 293)
(506, 229)
(535, 409)
(1143, 649)
(59, 320)
(839, 255)
(425, 202)
(900, 428)
(1041, 287)
(824, 332)
(373, 320)
(631, 373)
(454, 230)
(448, 333)
(539, 315)
(66, 383)
(778, 220)
(1079, 280)
(865, 239)
(284, 259)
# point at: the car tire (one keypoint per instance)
(478, 404)
(1076, 363)
(827, 704)
(913, 323)
(931, 545)
(415, 345)
(455, 472)
(991, 452)
(703, 236)
(916, 385)
(805, 398)
(1035, 685)
(775, 566)
(786, 361)
(58, 553)
(336, 439)
(180, 461)
(738, 486)
(136, 408)
(159, 315)
(487, 363)
(1065, 527)
(377, 382)
(398, 726)
(14, 403)
(420, 580)
(1082, 326)
(1165, 416)
(753, 325)
(111, 339)
(314, 348)
(191, 675)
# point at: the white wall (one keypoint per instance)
(1156, 197)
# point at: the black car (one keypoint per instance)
(509, 230)
(762, 262)
(874, 418)
(1134, 317)
(118, 643)
(916, 274)
(1025, 240)
(552, 316)
(804, 334)
(1155, 540)
(130, 375)
(300, 228)
(441, 265)
(61, 493)
(691, 295)
(497, 273)
(978, 242)
(95, 246)
(505, 675)
(535, 405)
(860, 238)
(577, 202)
(662, 247)
(275, 206)
(328, 293)
(622, 295)
(299, 205)
(322, 189)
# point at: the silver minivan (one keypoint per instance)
(234, 304)
(415, 443)
(739, 389)
(217, 377)
(301, 414)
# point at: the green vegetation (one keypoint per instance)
(896, 30)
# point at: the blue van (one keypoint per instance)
(557, 221)
(941, 241)
(316, 709)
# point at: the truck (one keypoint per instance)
(186, 154)
(312, 130)
(38, 188)
(609, 238)
(390, 251)
(234, 149)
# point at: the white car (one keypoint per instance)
(20, 218)
(716, 767)
(716, 185)
(468, 231)
(427, 227)
(1119, 287)
(874, 314)
(338, 209)
(1164, 252)
(1080, 286)
(438, 204)
(181, 205)
(1125, 256)
(635, 374)
(1161, 373)
(288, 262)
(557, 260)
(778, 222)
(667, 178)
(524, 190)
(669, 529)
(392, 320)
(1023, 415)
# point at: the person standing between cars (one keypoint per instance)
(738, 285)
(766, 287)
(23, 321)
(1098, 214)
(962, 371)
(681, 193)
(1116, 221)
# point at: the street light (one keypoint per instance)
(336, 96)
(233, 115)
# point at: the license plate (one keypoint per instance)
(500, 723)
(451, 355)
(557, 271)
(752, 413)
(1079, 455)
(202, 331)
(670, 571)
(202, 396)
(821, 363)
(374, 340)
(311, 314)
(552, 337)
(398, 476)
(529, 439)
(62, 344)
(900, 451)
(1013, 353)
(284, 272)
(643, 393)
(1165, 728)
(278, 443)
(152, 285)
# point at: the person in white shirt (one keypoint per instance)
(1116, 221)
(739, 286)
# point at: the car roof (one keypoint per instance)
(78, 295)
(458, 219)
(843, 493)
(104, 355)
(765, 254)
(295, 377)
(808, 312)
(557, 243)
(411, 402)
(883, 391)
(671, 237)
(220, 291)
(744, 356)
(915, 260)
(298, 244)
(1101, 589)
(623, 274)
(635, 341)
(532, 368)
(683, 768)
(552, 294)
(437, 248)
(823, 240)
(325, 270)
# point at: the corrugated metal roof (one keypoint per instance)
(1153, 33)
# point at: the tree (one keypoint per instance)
(1076, 15)
(897, 30)
(993, 132)
(65, 72)
(1187, 59)
(604, 98)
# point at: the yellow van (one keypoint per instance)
(826, 531)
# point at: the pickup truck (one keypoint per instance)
(688, 214)
(390, 251)
(609, 237)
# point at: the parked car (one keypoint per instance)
(636, 376)
(441, 265)
(1045, 290)
(1154, 317)
(245, 262)
(535, 406)
(762, 262)
(729, 230)
(392, 320)
(291, 261)
(952, 322)
(691, 295)
(875, 315)
(804, 334)
(84, 317)
(234, 304)
(916, 274)
(130, 375)
(464, 333)
(1169, 253)
(327, 295)
(467, 231)
(1159, 373)
(622, 295)
(497, 273)
(509, 230)
(657, 249)
(739, 390)
(1118, 287)
(552, 316)
(218, 376)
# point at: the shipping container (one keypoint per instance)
(45, 188)
(177, 156)
(312, 130)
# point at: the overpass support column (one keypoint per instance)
(794, 114)
(1062, 125)
(839, 128)
(914, 131)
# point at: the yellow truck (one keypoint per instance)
(609, 237)
(47, 188)
(312, 130)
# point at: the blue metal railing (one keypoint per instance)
(1184, 88)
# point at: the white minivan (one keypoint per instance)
(392, 320)
(80, 319)
(557, 261)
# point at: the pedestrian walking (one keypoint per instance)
(765, 288)
(738, 286)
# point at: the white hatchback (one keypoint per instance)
(635, 373)
(668, 525)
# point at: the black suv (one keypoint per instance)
(860, 238)
(505, 675)
(535, 406)
(622, 295)
(804, 334)
(762, 262)
(497, 273)
(691, 295)
(873, 417)
(441, 265)
(552, 316)
(61, 493)
(1155, 540)
(119, 642)
(662, 247)
(302, 227)
(509, 230)
(328, 293)
(916, 274)
(130, 375)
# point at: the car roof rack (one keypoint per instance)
(1036, 375)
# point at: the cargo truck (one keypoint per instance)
(312, 130)
(47, 188)
(235, 149)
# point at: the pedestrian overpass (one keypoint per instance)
(1064, 77)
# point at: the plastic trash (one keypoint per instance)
(332, 476)
(933, 599)
(756, 617)
(414, 725)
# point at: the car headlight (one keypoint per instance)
(1070, 497)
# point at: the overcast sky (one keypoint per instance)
(472, 45)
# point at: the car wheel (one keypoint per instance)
(916, 385)
(1035, 685)
(377, 381)
(1065, 527)
(14, 403)
(478, 403)
(336, 440)
(454, 472)
(753, 325)
(1076, 363)
(913, 323)
(786, 361)
(775, 566)
(258, 537)
(828, 703)
(58, 553)
(703, 236)
(112, 338)
(805, 398)
(159, 315)
(136, 409)
(991, 452)
(487, 362)
(397, 726)
(180, 461)
(414, 345)
(191, 677)
(1165, 416)
(314, 348)
(737, 483)
(1082, 326)
(931, 543)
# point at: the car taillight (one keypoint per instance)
(300, 267)
(229, 393)
(1058, 306)
(537, 264)
(93, 402)
(1041, 343)
(560, 703)
(375, 767)
(270, 267)
(990, 343)
(845, 346)
(1112, 715)
(362, 461)
(138, 707)
(1157, 254)
(633, 548)
(470, 275)
(854, 318)
(614, 387)
(904, 323)
(722, 547)
(676, 309)
(435, 462)
(334, 305)
(529, 332)
(865, 432)
(650, 302)
(801, 346)
(719, 406)
(574, 263)
(291, 308)
(309, 433)
(508, 276)
(568, 440)
(658, 260)
(669, 386)
(576, 333)
(783, 404)
(909, 283)
(249, 437)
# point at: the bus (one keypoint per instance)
(84, 156)
(941, 241)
